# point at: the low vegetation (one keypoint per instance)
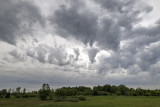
(46, 93)
(77, 94)
(92, 101)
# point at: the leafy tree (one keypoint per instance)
(95, 90)
(24, 91)
(17, 92)
(123, 89)
(44, 92)
(1, 95)
(18, 89)
(4, 92)
(61, 92)
(8, 95)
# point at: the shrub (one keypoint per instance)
(51, 96)
(33, 95)
(1, 95)
(103, 93)
(8, 95)
(42, 94)
(25, 96)
(17, 96)
(73, 100)
(118, 93)
(148, 94)
(60, 99)
(66, 99)
(82, 98)
(114, 94)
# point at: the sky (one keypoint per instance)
(79, 42)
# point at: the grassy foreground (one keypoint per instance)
(92, 101)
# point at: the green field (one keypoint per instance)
(92, 101)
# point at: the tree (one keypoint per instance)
(44, 92)
(123, 89)
(18, 89)
(17, 92)
(8, 95)
(61, 92)
(4, 92)
(1, 96)
(24, 91)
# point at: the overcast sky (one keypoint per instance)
(79, 42)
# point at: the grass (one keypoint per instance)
(92, 101)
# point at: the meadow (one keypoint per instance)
(92, 101)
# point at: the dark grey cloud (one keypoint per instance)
(151, 33)
(108, 36)
(123, 6)
(109, 31)
(149, 57)
(134, 54)
(131, 51)
(71, 21)
(133, 58)
(83, 25)
(125, 12)
(92, 54)
(144, 46)
(17, 18)
(114, 5)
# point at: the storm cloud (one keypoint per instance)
(82, 42)
(71, 21)
(17, 18)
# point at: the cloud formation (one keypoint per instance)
(79, 42)
(17, 18)
(71, 21)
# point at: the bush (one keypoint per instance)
(60, 99)
(17, 96)
(66, 99)
(29, 95)
(118, 93)
(73, 100)
(148, 94)
(114, 94)
(103, 93)
(82, 98)
(1, 96)
(33, 95)
(51, 96)
(42, 94)
(25, 96)
(8, 95)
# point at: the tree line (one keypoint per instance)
(17, 93)
(47, 93)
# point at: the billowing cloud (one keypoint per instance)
(17, 18)
(79, 42)
(77, 53)
(18, 55)
(46, 54)
(92, 54)
(72, 21)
